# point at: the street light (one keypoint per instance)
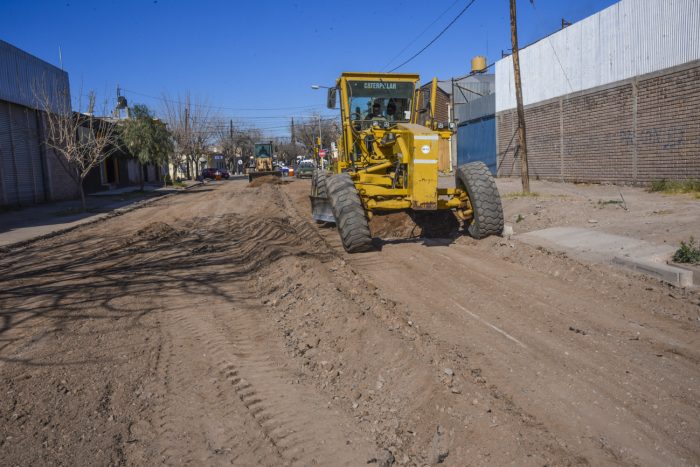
(320, 136)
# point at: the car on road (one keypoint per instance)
(305, 169)
(281, 167)
(212, 173)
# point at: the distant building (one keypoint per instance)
(29, 173)
(612, 98)
(469, 101)
(442, 115)
(475, 113)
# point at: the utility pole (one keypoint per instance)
(230, 146)
(320, 142)
(522, 144)
(187, 137)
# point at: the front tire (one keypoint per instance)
(487, 219)
(349, 213)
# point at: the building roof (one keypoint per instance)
(26, 80)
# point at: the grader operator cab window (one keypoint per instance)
(380, 100)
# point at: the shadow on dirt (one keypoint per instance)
(115, 277)
(429, 228)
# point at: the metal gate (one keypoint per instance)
(20, 156)
(476, 141)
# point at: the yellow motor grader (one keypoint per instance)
(388, 161)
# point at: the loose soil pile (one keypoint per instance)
(159, 231)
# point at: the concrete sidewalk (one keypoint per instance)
(596, 246)
(43, 220)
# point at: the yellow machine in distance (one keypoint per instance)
(262, 162)
(388, 161)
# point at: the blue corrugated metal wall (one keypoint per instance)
(476, 141)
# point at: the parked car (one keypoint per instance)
(305, 169)
(212, 173)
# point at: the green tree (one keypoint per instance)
(146, 137)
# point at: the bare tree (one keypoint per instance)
(81, 140)
(288, 151)
(235, 140)
(307, 131)
(193, 124)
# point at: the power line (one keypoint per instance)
(436, 37)
(221, 107)
(419, 35)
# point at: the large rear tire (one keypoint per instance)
(349, 213)
(318, 184)
(487, 220)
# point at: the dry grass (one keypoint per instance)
(520, 194)
(676, 187)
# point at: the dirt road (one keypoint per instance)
(221, 326)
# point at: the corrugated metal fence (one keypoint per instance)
(27, 83)
(21, 161)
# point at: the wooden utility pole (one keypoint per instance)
(294, 140)
(522, 143)
(187, 138)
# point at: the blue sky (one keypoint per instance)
(240, 55)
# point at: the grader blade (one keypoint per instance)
(253, 175)
(321, 209)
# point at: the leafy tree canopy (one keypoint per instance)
(146, 137)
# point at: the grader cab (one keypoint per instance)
(388, 161)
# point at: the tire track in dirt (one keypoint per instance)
(201, 421)
(292, 418)
(221, 363)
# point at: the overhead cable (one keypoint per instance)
(471, 2)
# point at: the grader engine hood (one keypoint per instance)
(423, 166)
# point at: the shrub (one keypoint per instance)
(675, 186)
(687, 253)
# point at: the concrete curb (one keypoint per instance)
(600, 247)
(664, 272)
(693, 268)
(91, 220)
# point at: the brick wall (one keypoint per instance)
(442, 103)
(634, 131)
